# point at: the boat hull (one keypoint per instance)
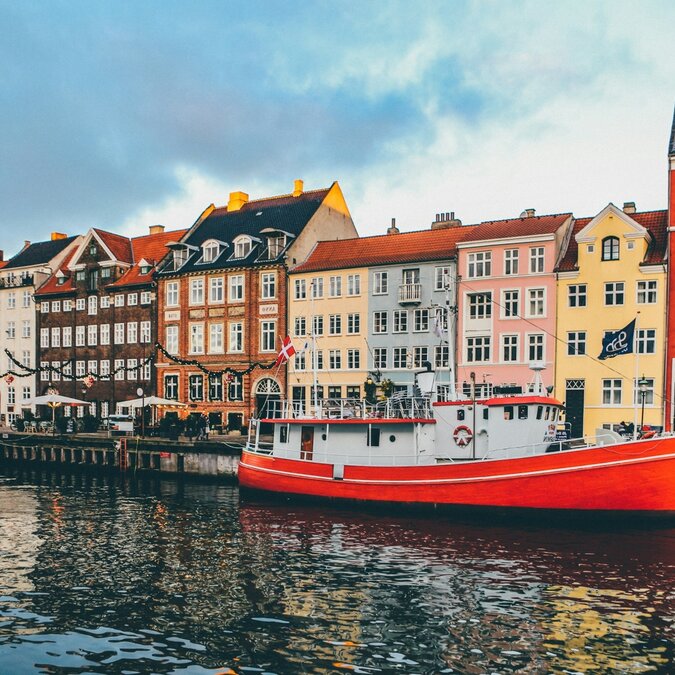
(630, 478)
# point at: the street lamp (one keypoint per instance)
(140, 392)
(643, 386)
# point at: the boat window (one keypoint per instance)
(283, 433)
(540, 411)
(548, 412)
(508, 412)
(373, 437)
(522, 412)
(555, 414)
(460, 414)
(486, 413)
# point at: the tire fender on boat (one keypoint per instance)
(462, 435)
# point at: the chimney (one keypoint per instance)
(629, 207)
(26, 244)
(528, 213)
(393, 229)
(58, 235)
(156, 229)
(237, 200)
(445, 220)
(297, 187)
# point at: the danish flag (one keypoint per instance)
(287, 350)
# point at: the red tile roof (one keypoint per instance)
(655, 222)
(51, 286)
(385, 249)
(119, 245)
(3, 263)
(519, 227)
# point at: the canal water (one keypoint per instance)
(106, 575)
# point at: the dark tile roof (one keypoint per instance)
(385, 249)
(39, 253)
(569, 260)
(286, 213)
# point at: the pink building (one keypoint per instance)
(507, 300)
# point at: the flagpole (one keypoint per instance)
(636, 346)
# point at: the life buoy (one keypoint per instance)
(462, 435)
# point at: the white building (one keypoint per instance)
(19, 279)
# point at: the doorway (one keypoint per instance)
(307, 443)
(267, 398)
(574, 406)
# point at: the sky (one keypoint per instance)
(121, 115)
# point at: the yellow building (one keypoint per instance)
(613, 271)
(327, 320)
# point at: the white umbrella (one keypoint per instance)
(149, 400)
(53, 401)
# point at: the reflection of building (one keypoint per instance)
(19, 278)
(98, 315)
(222, 298)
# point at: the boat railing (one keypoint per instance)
(397, 406)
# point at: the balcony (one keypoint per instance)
(410, 294)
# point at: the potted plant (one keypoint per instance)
(387, 387)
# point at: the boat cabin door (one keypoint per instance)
(307, 443)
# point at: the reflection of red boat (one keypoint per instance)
(497, 453)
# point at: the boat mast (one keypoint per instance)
(315, 376)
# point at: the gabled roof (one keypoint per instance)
(655, 222)
(386, 249)
(285, 213)
(119, 245)
(51, 286)
(150, 248)
(39, 253)
(519, 227)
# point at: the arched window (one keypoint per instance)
(610, 248)
(267, 386)
(210, 251)
(242, 247)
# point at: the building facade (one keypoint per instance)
(19, 279)
(507, 301)
(97, 318)
(613, 272)
(669, 394)
(223, 299)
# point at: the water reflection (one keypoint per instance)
(107, 576)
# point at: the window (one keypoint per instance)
(236, 285)
(317, 287)
(171, 386)
(380, 322)
(441, 278)
(242, 247)
(300, 326)
(400, 357)
(196, 387)
(104, 334)
(268, 336)
(56, 305)
(511, 261)
(26, 358)
(576, 343)
(92, 305)
(537, 260)
(172, 339)
(478, 349)
(380, 283)
(235, 390)
(576, 295)
(210, 251)
(216, 290)
(354, 284)
(335, 286)
(216, 345)
(510, 349)
(180, 257)
(648, 393)
(353, 324)
(119, 301)
(335, 324)
(132, 333)
(146, 334)
(614, 293)
(275, 245)
(611, 392)
(380, 358)
(536, 302)
(300, 289)
(172, 294)
(44, 338)
(479, 264)
(26, 299)
(132, 299)
(145, 298)
(400, 321)
(420, 356)
(11, 396)
(480, 305)
(317, 325)
(79, 304)
(197, 291)
(119, 334)
(236, 337)
(269, 285)
(215, 387)
(334, 392)
(44, 307)
(354, 359)
(104, 303)
(646, 341)
(105, 368)
(646, 292)
(25, 328)
(11, 330)
(11, 300)
(441, 356)
(196, 338)
(132, 369)
(510, 302)
(80, 336)
(119, 369)
(92, 335)
(106, 273)
(26, 393)
(421, 322)
(335, 359)
(68, 336)
(535, 347)
(610, 248)
(44, 374)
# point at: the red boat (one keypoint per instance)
(500, 453)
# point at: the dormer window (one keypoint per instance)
(60, 280)
(242, 247)
(145, 269)
(80, 275)
(275, 245)
(210, 251)
(180, 256)
(610, 248)
(92, 249)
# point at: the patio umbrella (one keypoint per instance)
(150, 400)
(54, 401)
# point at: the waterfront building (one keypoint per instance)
(613, 271)
(507, 301)
(97, 318)
(223, 299)
(19, 279)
